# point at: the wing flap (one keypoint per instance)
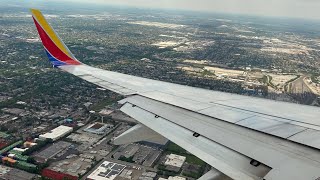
(310, 137)
(231, 163)
(279, 127)
(280, 154)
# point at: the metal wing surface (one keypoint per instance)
(283, 136)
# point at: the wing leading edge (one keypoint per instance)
(251, 121)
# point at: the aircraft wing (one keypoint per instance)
(241, 137)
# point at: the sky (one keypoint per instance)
(284, 8)
(306, 9)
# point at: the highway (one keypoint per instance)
(300, 90)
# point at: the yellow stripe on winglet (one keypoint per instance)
(45, 25)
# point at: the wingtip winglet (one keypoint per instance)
(58, 53)
(32, 10)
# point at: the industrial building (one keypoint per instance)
(174, 162)
(28, 144)
(19, 149)
(98, 128)
(51, 151)
(106, 112)
(173, 178)
(57, 133)
(13, 173)
(106, 171)
(148, 176)
(57, 175)
(127, 174)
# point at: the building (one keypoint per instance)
(20, 149)
(106, 171)
(51, 151)
(98, 128)
(13, 173)
(148, 176)
(57, 175)
(127, 174)
(145, 178)
(57, 133)
(106, 112)
(28, 144)
(173, 178)
(174, 162)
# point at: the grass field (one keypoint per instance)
(191, 159)
(102, 104)
(172, 147)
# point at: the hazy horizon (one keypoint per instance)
(306, 9)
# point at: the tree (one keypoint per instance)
(3, 128)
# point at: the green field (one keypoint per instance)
(191, 159)
(175, 149)
(172, 147)
(100, 105)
